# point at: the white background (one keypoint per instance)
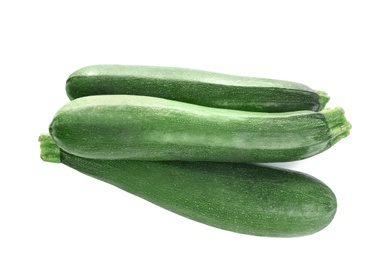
(49, 211)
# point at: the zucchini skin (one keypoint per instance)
(244, 198)
(148, 128)
(196, 87)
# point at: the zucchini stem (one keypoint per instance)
(323, 99)
(337, 123)
(49, 151)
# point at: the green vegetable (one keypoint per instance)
(149, 128)
(195, 87)
(244, 198)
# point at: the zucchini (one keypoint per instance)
(149, 128)
(196, 87)
(243, 198)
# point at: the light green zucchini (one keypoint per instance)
(149, 128)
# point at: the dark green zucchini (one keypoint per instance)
(243, 198)
(196, 87)
(148, 128)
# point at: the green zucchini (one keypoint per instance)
(196, 87)
(149, 128)
(243, 198)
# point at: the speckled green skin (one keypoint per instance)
(243, 198)
(196, 87)
(148, 128)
